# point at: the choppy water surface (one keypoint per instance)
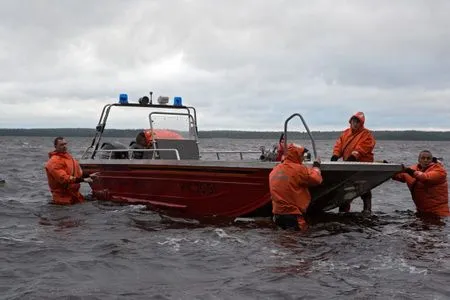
(101, 251)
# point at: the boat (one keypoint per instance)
(177, 179)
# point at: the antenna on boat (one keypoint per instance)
(151, 97)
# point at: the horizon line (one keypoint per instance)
(234, 130)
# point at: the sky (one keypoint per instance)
(243, 64)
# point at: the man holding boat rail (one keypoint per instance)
(427, 181)
(65, 175)
(289, 182)
(356, 143)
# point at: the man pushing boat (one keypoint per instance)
(64, 175)
(289, 183)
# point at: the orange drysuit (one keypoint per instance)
(360, 144)
(429, 188)
(64, 174)
(289, 182)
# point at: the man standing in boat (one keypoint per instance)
(289, 182)
(143, 141)
(427, 181)
(65, 175)
(356, 143)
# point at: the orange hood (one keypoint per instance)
(294, 152)
(360, 116)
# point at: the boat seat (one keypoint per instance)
(187, 149)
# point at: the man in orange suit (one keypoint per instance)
(65, 175)
(289, 183)
(427, 181)
(356, 143)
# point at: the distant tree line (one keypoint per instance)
(410, 135)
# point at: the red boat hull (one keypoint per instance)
(188, 191)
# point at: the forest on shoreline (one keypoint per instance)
(407, 135)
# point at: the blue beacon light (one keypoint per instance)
(123, 99)
(177, 101)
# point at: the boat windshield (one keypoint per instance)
(128, 121)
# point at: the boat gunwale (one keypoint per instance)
(325, 166)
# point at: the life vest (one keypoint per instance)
(163, 134)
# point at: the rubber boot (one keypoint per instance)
(367, 202)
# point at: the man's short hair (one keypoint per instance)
(425, 151)
(55, 142)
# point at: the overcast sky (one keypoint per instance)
(243, 64)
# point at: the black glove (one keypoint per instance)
(434, 159)
(80, 179)
(351, 158)
(334, 158)
(316, 164)
(409, 171)
(385, 161)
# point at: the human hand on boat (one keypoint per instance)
(94, 175)
(409, 171)
(91, 177)
(334, 158)
(351, 158)
(316, 162)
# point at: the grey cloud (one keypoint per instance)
(244, 64)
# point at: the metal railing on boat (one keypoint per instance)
(241, 153)
(131, 151)
(307, 130)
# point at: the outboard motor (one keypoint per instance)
(114, 154)
(271, 155)
(268, 155)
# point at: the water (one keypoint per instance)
(103, 251)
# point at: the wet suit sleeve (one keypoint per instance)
(433, 176)
(400, 177)
(404, 177)
(314, 176)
